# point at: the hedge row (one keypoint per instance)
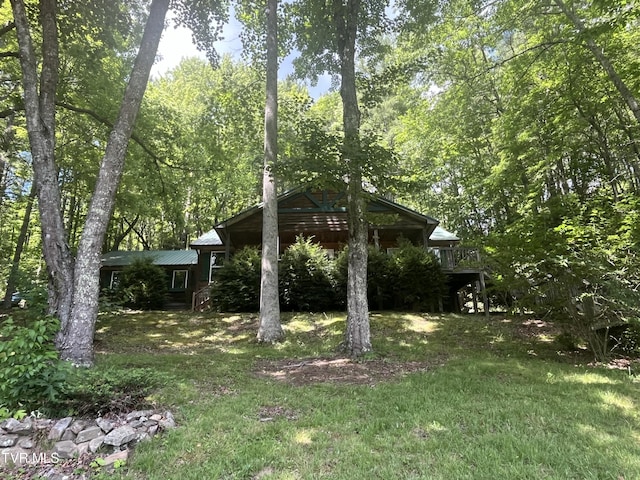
(411, 279)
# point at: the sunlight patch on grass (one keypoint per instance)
(612, 401)
(305, 436)
(589, 378)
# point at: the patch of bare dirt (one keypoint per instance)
(343, 370)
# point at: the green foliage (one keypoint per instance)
(411, 278)
(237, 283)
(416, 278)
(143, 285)
(306, 278)
(31, 375)
(112, 390)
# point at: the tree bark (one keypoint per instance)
(357, 335)
(15, 265)
(270, 330)
(40, 117)
(75, 341)
(598, 52)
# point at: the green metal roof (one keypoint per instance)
(209, 238)
(160, 257)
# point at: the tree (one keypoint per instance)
(73, 283)
(270, 330)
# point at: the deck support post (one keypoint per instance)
(474, 295)
(483, 291)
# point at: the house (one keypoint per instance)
(180, 266)
(322, 214)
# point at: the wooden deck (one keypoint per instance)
(458, 259)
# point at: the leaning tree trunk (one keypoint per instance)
(270, 330)
(22, 237)
(357, 335)
(75, 342)
(39, 102)
(598, 52)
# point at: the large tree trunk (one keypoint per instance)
(621, 86)
(40, 116)
(15, 265)
(75, 341)
(270, 330)
(357, 335)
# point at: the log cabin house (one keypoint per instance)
(322, 214)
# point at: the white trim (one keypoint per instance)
(173, 279)
(114, 280)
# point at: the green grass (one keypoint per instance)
(494, 400)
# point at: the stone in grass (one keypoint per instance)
(26, 442)
(88, 434)
(68, 435)
(8, 440)
(120, 436)
(122, 456)
(95, 444)
(77, 426)
(59, 428)
(168, 422)
(21, 428)
(105, 425)
(136, 414)
(65, 449)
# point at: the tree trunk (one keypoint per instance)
(39, 105)
(357, 335)
(270, 330)
(15, 265)
(75, 342)
(621, 86)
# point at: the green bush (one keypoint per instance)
(417, 279)
(379, 282)
(31, 375)
(114, 390)
(306, 278)
(143, 285)
(237, 283)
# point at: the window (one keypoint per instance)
(330, 253)
(179, 279)
(115, 280)
(217, 259)
(392, 251)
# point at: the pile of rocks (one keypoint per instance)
(44, 441)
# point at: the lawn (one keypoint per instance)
(442, 397)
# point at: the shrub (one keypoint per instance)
(379, 284)
(237, 283)
(31, 375)
(143, 285)
(306, 278)
(416, 276)
(114, 390)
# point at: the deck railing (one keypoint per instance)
(201, 300)
(458, 258)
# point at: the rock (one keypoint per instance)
(95, 444)
(68, 435)
(153, 429)
(114, 457)
(137, 414)
(26, 442)
(167, 423)
(105, 425)
(8, 440)
(14, 456)
(135, 424)
(78, 426)
(156, 417)
(21, 428)
(88, 434)
(58, 429)
(143, 436)
(120, 436)
(82, 448)
(150, 423)
(65, 449)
